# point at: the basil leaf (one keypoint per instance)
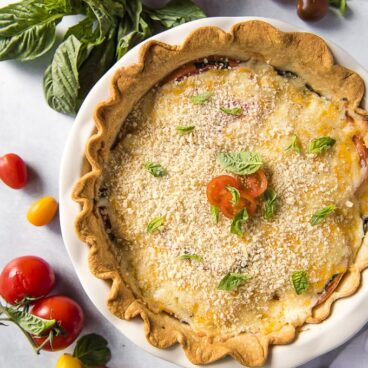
(320, 145)
(155, 224)
(321, 214)
(300, 281)
(155, 169)
(92, 350)
(182, 130)
(232, 281)
(340, 4)
(270, 205)
(235, 194)
(176, 12)
(201, 98)
(132, 28)
(27, 28)
(28, 322)
(239, 220)
(241, 163)
(293, 145)
(215, 212)
(194, 257)
(233, 111)
(61, 82)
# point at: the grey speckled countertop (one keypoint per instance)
(30, 128)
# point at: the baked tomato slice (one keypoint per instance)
(230, 209)
(254, 184)
(216, 188)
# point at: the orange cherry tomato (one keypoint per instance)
(68, 361)
(254, 184)
(42, 211)
(216, 188)
(246, 201)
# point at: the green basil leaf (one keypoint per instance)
(293, 145)
(155, 169)
(235, 194)
(239, 220)
(155, 224)
(194, 257)
(321, 214)
(27, 28)
(182, 129)
(233, 111)
(270, 205)
(92, 350)
(132, 28)
(232, 281)
(339, 4)
(241, 163)
(300, 281)
(28, 322)
(61, 80)
(215, 212)
(201, 98)
(320, 145)
(176, 12)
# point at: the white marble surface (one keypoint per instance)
(37, 133)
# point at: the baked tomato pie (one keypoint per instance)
(226, 196)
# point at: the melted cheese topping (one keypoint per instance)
(274, 109)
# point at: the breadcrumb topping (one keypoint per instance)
(273, 109)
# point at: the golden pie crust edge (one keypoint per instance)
(302, 53)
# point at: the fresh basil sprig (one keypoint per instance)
(155, 224)
(175, 12)
(215, 212)
(240, 163)
(201, 98)
(300, 281)
(320, 145)
(270, 204)
(232, 111)
(194, 257)
(293, 145)
(184, 129)
(92, 351)
(155, 169)
(239, 220)
(110, 28)
(321, 214)
(232, 281)
(235, 194)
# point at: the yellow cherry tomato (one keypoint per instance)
(42, 211)
(68, 361)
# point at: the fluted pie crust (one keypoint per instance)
(304, 54)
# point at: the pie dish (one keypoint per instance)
(179, 299)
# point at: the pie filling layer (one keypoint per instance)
(177, 264)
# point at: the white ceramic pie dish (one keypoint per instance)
(315, 340)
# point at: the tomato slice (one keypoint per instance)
(255, 184)
(216, 188)
(362, 150)
(246, 201)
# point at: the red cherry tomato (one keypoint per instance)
(246, 201)
(312, 10)
(216, 188)
(27, 276)
(255, 184)
(13, 171)
(69, 317)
